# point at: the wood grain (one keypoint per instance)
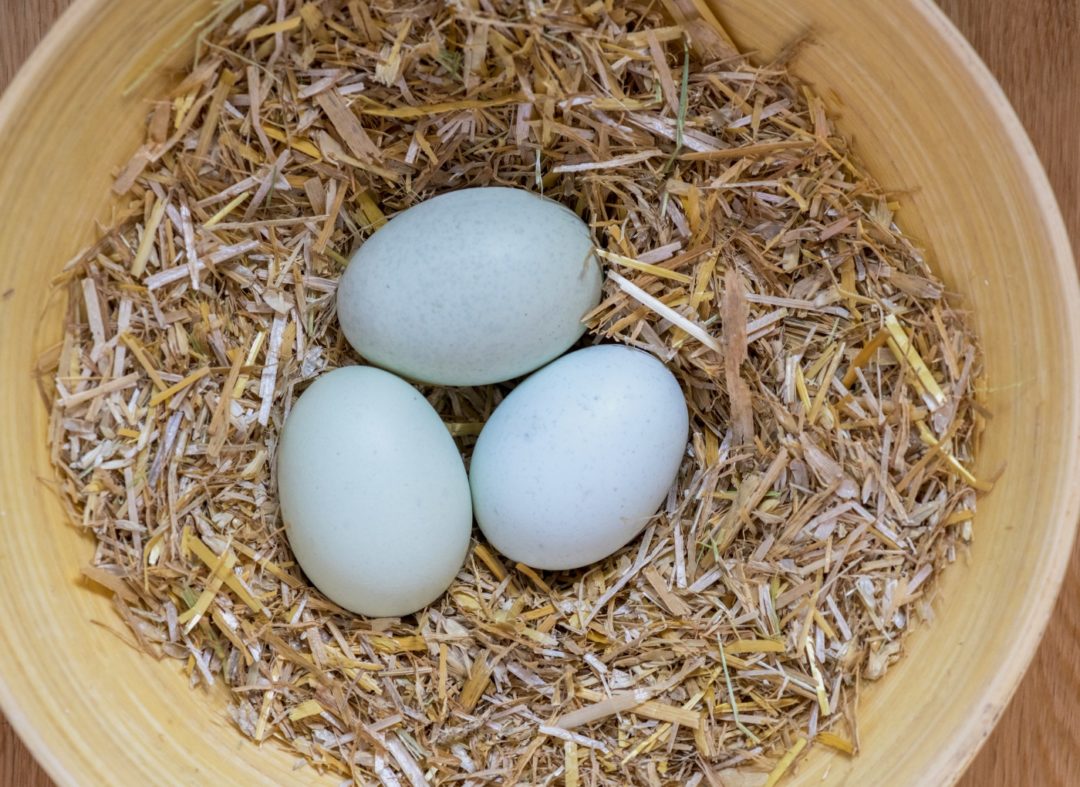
(1030, 46)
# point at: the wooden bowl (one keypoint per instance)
(927, 118)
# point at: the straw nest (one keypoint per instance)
(832, 390)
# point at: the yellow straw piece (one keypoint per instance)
(221, 566)
(439, 108)
(644, 267)
(823, 624)
(398, 644)
(956, 517)
(753, 646)
(542, 612)
(471, 429)
(864, 355)
(305, 709)
(276, 570)
(207, 556)
(146, 243)
(232, 205)
(171, 391)
(253, 353)
(374, 215)
(928, 438)
(704, 278)
(305, 146)
(819, 682)
(284, 26)
(834, 741)
(488, 559)
(536, 578)
(800, 388)
(140, 355)
(778, 772)
(823, 389)
(570, 762)
(905, 352)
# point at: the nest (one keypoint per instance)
(831, 385)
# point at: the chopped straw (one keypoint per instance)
(830, 384)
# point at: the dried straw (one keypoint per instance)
(831, 388)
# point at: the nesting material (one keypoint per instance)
(830, 383)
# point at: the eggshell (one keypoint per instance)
(576, 460)
(470, 287)
(373, 492)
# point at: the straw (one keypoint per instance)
(828, 478)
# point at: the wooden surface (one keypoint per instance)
(1031, 46)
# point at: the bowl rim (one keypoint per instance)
(61, 765)
(1006, 680)
(55, 761)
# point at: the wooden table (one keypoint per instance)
(1033, 47)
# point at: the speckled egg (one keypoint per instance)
(373, 492)
(577, 459)
(471, 287)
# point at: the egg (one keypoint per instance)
(576, 460)
(471, 287)
(373, 492)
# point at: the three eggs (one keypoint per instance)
(473, 287)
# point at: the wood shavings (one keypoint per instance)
(830, 384)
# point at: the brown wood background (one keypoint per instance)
(1033, 47)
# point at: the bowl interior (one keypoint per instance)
(928, 120)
